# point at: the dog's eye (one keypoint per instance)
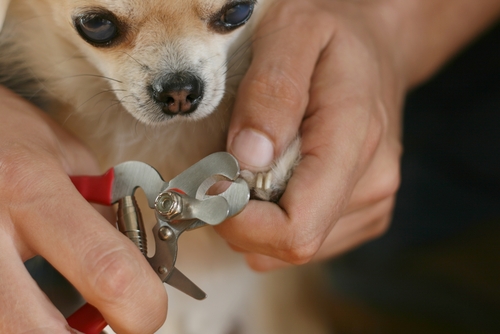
(237, 15)
(96, 29)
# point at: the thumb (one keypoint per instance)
(273, 95)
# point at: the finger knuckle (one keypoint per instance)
(18, 172)
(381, 219)
(111, 274)
(301, 250)
(146, 319)
(384, 182)
(277, 84)
(374, 136)
(380, 227)
(11, 165)
(392, 182)
(389, 181)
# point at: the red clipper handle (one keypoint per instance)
(87, 320)
(96, 189)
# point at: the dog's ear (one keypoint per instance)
(3, 11)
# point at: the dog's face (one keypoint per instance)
(165, 59)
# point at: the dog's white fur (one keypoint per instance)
(100, 94)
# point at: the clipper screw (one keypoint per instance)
(168, 204)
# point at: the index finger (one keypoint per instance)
(272, 100)
(103, 265)
(273, 94)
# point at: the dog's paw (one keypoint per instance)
(271, 184)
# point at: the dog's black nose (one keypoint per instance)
(179, 93)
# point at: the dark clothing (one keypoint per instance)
(440, 258)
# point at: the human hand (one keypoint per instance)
(42, 213)
(328, 69)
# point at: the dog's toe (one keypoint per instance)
(271, 184)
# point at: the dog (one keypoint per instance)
(154, 81)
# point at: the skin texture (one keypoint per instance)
(337, 71)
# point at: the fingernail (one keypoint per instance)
(253, 149)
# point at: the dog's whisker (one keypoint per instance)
(243, 46)
(41, 86)
(78, 109)
(144, 66)
(114, 103)
(93, 76)
(235, 76)
(240, 50)
(96, 95)
(238, 59)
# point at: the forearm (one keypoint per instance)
(432, 31)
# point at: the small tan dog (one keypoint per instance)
(148, 80)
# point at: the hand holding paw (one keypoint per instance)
(332, 82)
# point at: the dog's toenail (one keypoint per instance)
(268, 180)
(259, 182)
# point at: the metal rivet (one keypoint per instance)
(168, 204)
(165, 233)
(162, 270)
